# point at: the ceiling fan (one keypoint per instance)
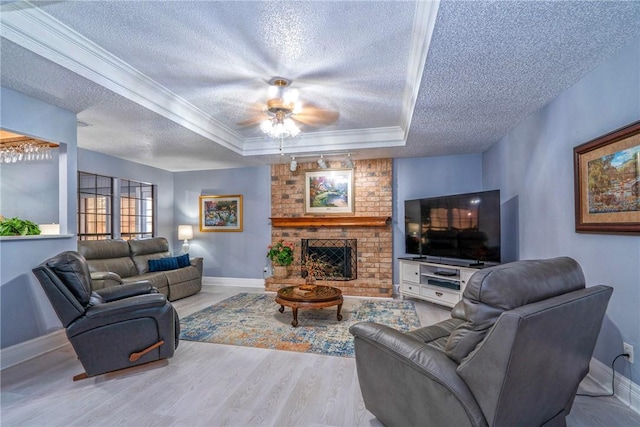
(280, 115)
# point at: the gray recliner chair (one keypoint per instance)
(112, 328)
(512, 354)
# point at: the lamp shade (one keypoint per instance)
(414, 228)
(185, 232)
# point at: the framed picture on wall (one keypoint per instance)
(607, 181)
(328, 191)
(221, 213)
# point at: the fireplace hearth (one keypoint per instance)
(340, 254)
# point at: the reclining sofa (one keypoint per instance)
(115, 262)
(512, 354)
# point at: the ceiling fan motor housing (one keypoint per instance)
(275, 105)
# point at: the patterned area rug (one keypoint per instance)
(253, 320)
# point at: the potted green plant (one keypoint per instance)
(18, 227)
(281, 256)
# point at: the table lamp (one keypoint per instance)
(185, 232)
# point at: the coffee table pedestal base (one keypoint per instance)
(324, 296)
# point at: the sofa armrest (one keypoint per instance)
(128, 307)
(197, 263)
(126, 290)
(150, 306)
(104, 279)
(433, 362)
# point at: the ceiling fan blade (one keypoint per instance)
(314, 116)
(252, 121)
(255, 114)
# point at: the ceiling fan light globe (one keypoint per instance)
(280, 130)
(266, 126)
(291, 127)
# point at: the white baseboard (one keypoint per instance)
(233, 281)
(626, 391)
(26, 350)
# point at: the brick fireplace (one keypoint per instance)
(370, 225)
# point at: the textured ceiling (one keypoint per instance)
(168, 83)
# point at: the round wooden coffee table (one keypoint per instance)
(319, 296)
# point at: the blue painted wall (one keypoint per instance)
(29, 198)
(415, 178)
(22, 300)
(534, 164)
(102, 164)
(228, 254)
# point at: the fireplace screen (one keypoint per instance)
(340, 254)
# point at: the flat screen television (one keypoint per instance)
(464, 227)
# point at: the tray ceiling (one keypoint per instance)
(167, 84)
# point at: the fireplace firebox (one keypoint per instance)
(340, 254)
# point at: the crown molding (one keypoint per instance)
(347, 140)
(44, 35)
(423, 24)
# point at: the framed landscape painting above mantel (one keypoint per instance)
(607, 183)
(328, 191)
(221, 213)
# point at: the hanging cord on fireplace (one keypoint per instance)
(613, 377)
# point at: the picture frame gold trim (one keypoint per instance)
(337, 198)
(220, 213)
(606, 181)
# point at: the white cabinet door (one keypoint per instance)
(410, 272)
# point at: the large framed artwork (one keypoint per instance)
(607, 180)
(221, 213)
(328, 191)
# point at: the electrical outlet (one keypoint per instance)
(628, 349)
(265, 269)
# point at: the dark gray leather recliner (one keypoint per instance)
(512, 354)
(113, 328)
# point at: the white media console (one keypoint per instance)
(432, 281)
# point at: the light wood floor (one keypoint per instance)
(218, 385)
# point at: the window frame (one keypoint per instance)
(143, 222)
(83, 212)
(140, 220)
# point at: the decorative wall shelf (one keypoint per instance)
(332, 221)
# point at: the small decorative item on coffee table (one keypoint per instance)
(309, 296)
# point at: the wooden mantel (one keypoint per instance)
(332, 221)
